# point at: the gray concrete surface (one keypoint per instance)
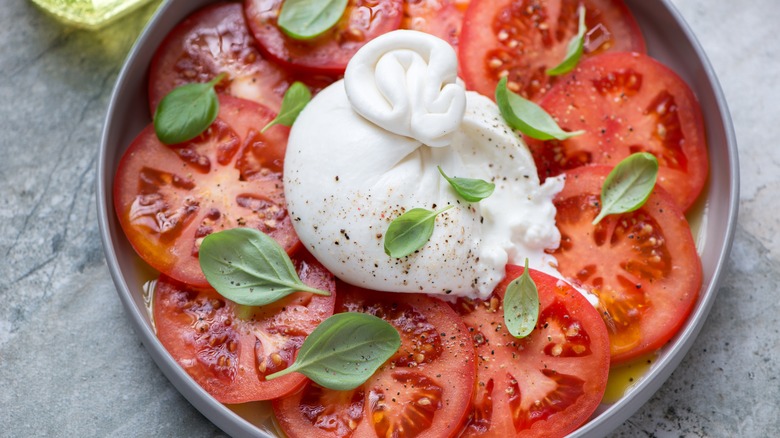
(70, 364)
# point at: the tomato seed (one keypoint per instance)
(494, 304)
(354, 34)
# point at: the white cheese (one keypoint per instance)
(366, 149)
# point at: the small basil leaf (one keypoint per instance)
(574, 49)
(345, 350)
(628, 185)
(306, 19)
(528, 117)
(472, 190)
(410, 231)
(295, 99)
(249, 267)
(187, 111)
(521, 305)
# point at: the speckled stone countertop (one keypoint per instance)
(71, 365)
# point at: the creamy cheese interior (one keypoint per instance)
(366, 149)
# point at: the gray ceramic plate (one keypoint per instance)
(668, 39)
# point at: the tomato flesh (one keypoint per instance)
(168, 198)
(521, 40)
(422, 391)
(228, 349)
(441, 18)
(627, 103)
(211, 41)
(642, 265)
(546, 384)
(328, 53)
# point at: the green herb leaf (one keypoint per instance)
(528, 117)
(628, 185)
(187, 111)
(295, 99)
(306, 19)
(574, 50)
(410, 231)
(472, 190)
(345, 350)
(249, 267)
(521, 305)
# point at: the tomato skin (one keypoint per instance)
(424, 390)
(213, 40)
(546, 384)
(167, 198)
(329, 53)
(627, 103)
(521, 39)
(648, 273)
(223, 345)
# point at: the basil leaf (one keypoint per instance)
(628, 185)
(574, 49)
(344, 351)
(187, 111)
(521, 305)
(295, 99)
(472, 190)
(528, 117)
(410, 231)
(249, 267)
(306, 19)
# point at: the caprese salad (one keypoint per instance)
(610, 289)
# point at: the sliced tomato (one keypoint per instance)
(642, 265)
(546, 384)
(627, 103)
(328, 53)
(424, 390)
(522, 39)
(168, 198)
(211, 41)
(441, 18)
(228, 349)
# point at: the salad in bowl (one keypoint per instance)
(416, 218)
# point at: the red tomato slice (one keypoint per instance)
(626, 103)
(168, 198)
(441, 18)
(214, 40)
(546, 384)
(422, 391)
(642, 265)
(523, 39)
(228, 349)
(329, 53)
